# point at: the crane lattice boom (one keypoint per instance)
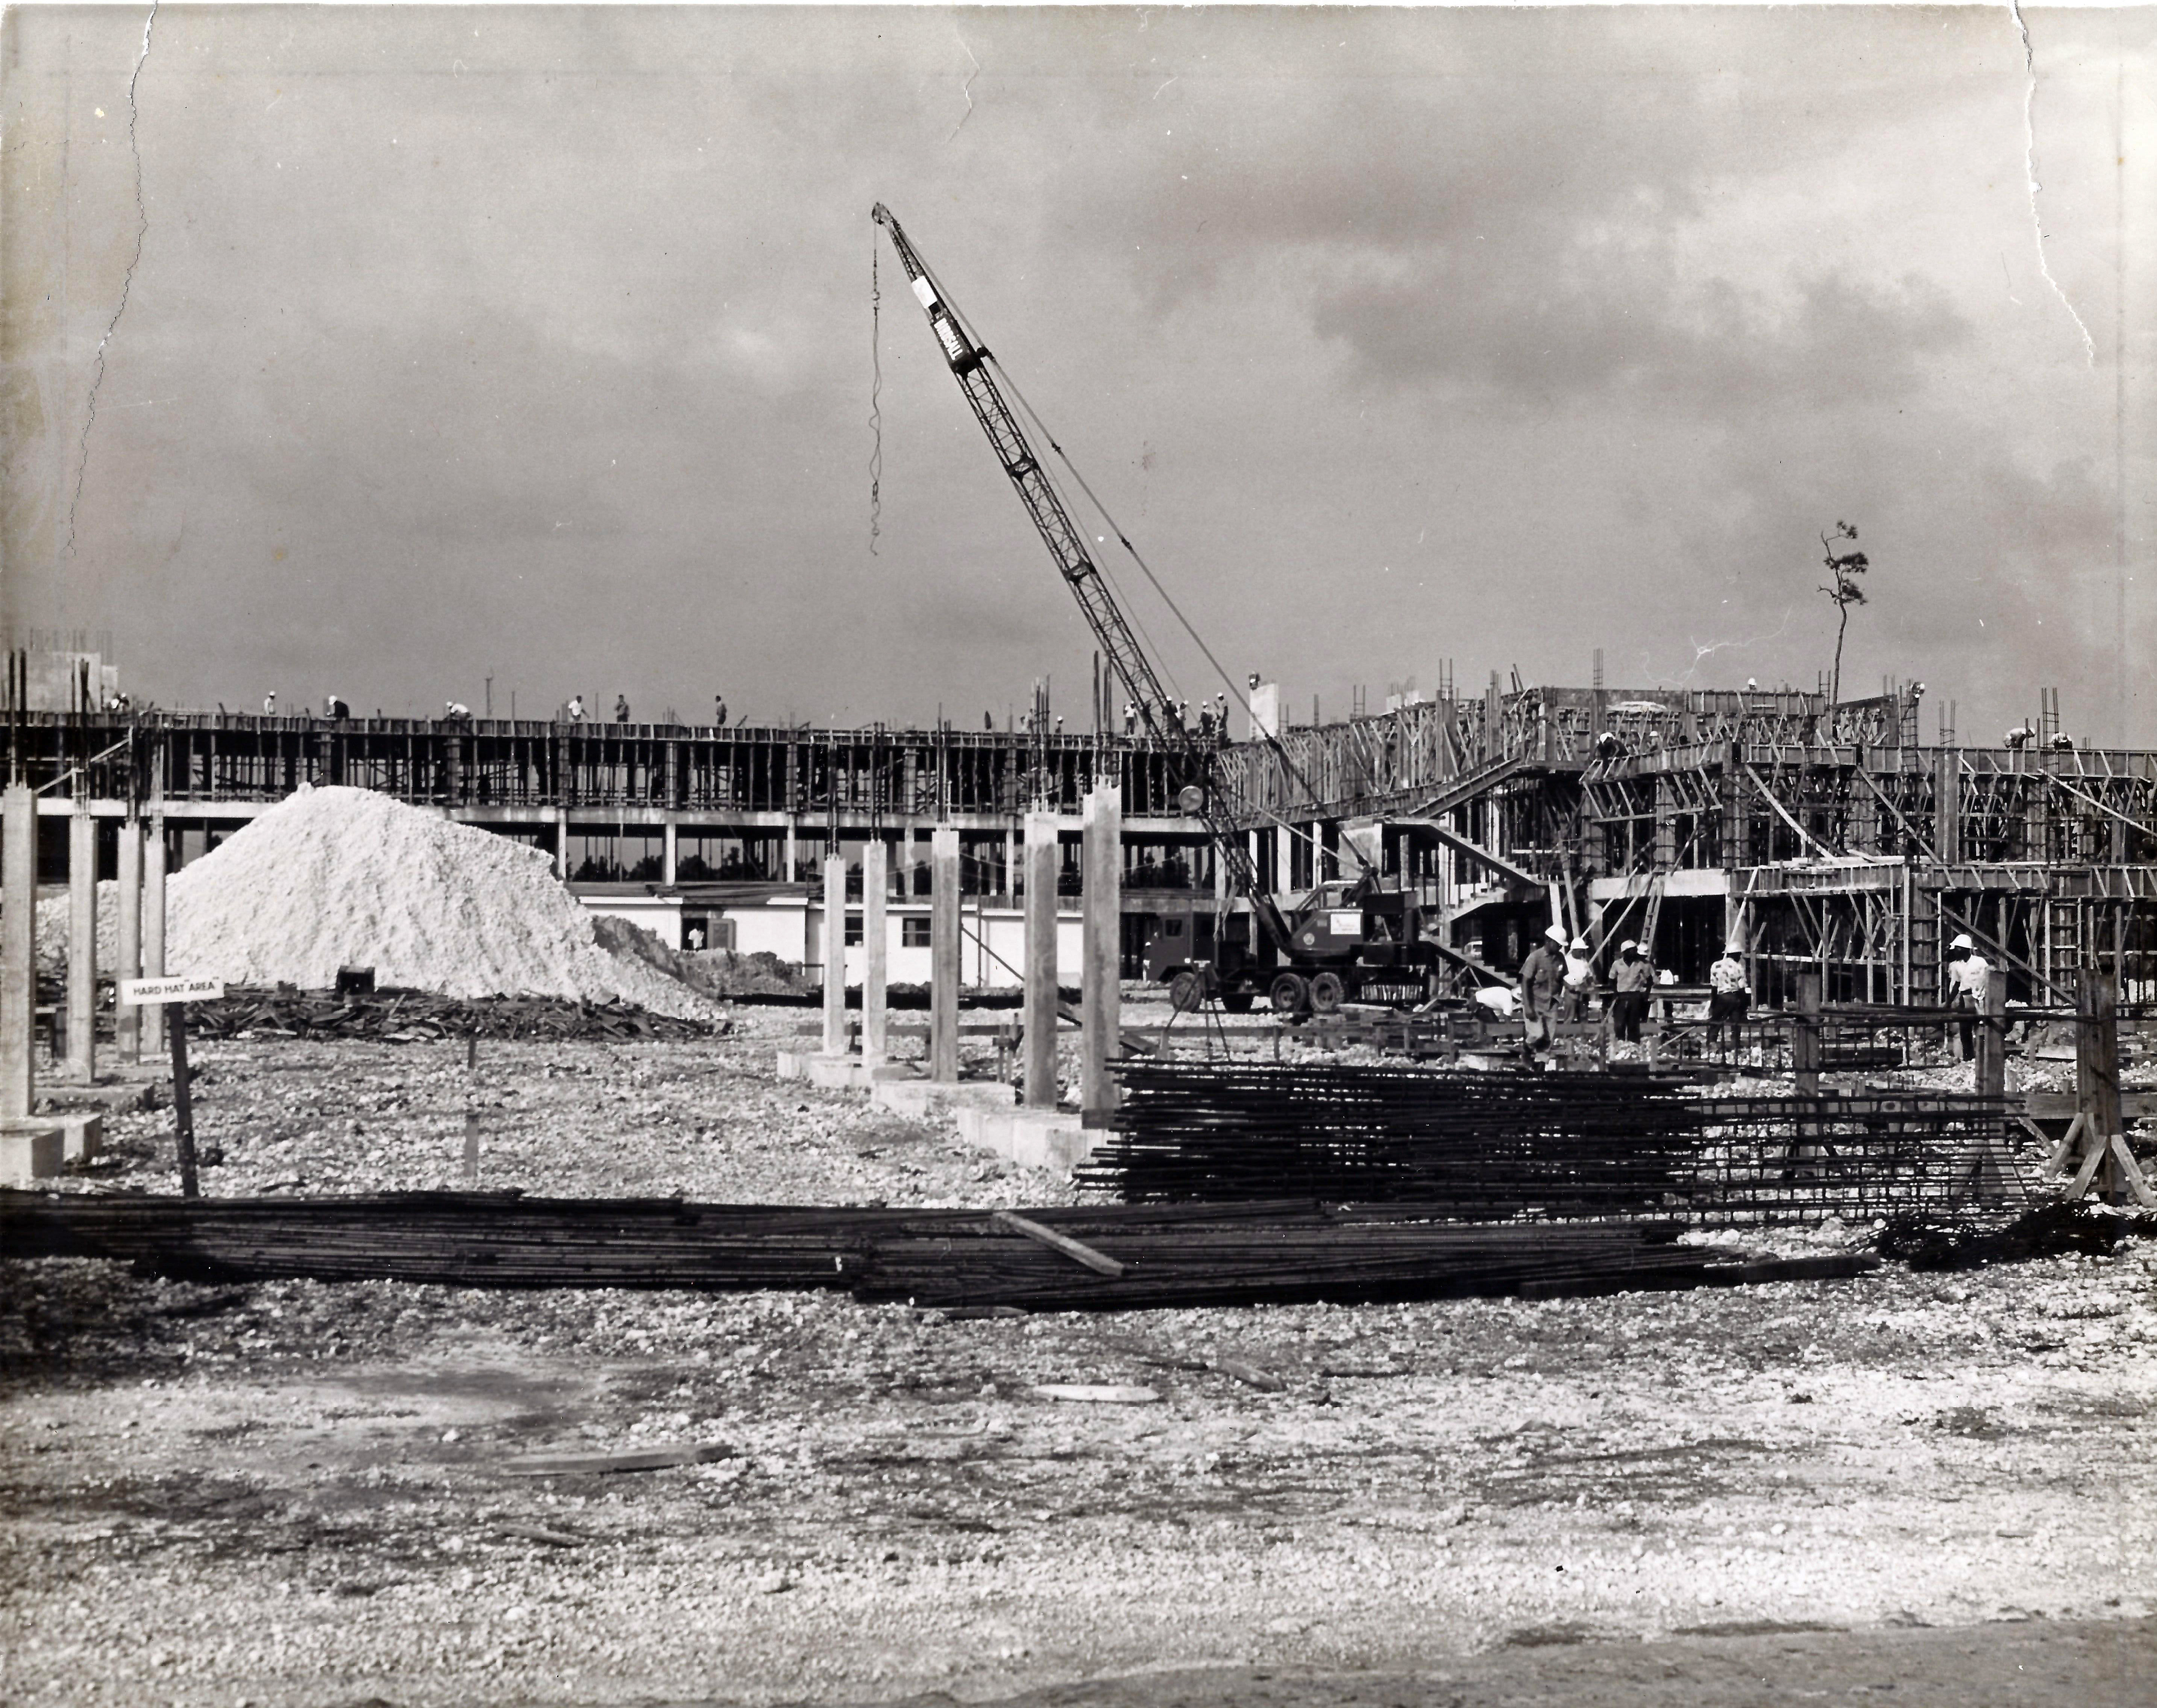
(1067, 545)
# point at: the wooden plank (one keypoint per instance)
(1099, 1261)
(1096, 1393)
(578, 1464)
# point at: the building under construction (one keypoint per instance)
(1829, 841)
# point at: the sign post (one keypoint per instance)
(176, 994)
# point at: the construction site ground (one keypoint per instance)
(301, 1493)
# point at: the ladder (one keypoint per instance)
(2062, 948)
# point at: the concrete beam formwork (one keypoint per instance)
(19, 952)
(874, 951)
(82, 946)
(1041, 960)
(944, 955)
(127, 1020)
(835, 955)
(1101, 970)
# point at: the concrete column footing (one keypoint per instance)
(1057, 1138)
(36, 1147)
(930, 1098)
(839, 1073)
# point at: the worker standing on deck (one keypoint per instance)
(1632, 979)
(1579, 978)
(1968, 973)
(1728, 996)
(1542, 981)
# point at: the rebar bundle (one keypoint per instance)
(1490, 1146)
(1162, 1255)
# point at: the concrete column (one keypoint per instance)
(128, 1021)
(82, 944)
(944, 955)
(562, 843)
(835, 955)
(18, 951)
(671, 845)
(153, 933)
(1008, 880)
(786, 872)
(1284, 857)
(1101, 1006)
(875, 886)
(1040, 1010)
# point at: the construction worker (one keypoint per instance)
(1632, 979)
(334, 708)
(1542, 981)
(270, 704)
(621, 708)
(1579, 978)
(456, 709)
(1969, 975)
(1728, 996)
(576, 708)
(718, 711)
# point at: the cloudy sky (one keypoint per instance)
(537, 344)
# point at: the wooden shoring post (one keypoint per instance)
(1806, 1033)
(1991, 1066)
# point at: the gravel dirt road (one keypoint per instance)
(297, 1494)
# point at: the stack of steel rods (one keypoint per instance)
(1169, 1255)
(1487, 1146)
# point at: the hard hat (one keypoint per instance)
(1580, 942)
(1963, 942)
(1626, 944)
(1555, 933)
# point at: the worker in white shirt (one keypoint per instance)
(1969, 975)
(1728, 996)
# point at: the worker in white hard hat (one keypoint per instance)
(1968, 973)
(1579, 978)
(1543, 980)
(1633, 978)
(1728, 994)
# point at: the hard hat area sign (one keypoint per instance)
(142, 992)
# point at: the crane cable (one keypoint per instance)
(876, 393)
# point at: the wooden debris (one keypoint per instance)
(1098, 1262)
(1096, 1393)
(592, 1465)
(421, 1016)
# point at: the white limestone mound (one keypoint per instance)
(347, 877)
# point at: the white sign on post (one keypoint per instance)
(138, 993)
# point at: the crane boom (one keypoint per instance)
(1067, 545)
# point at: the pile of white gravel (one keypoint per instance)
(348, 877)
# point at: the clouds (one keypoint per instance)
(545, 350)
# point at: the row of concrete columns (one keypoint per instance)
(1101, 963)
(141, 944)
